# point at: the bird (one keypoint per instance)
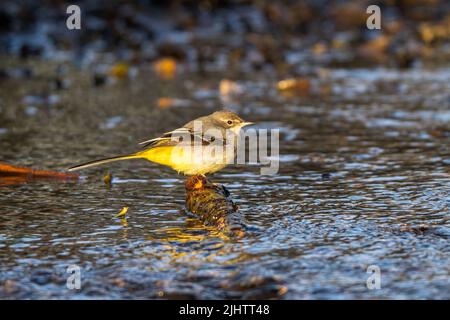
(185, 149)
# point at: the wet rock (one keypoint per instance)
(10, 287)
(20, 73)
(41, 99)
(171, 50)
(58, 83)
(326, 176)
(266, 292)
(3, 74)
(98, 80)
(179, 291)
(27, 50)
(424, 229)
(256, 286)
(213, 205)
(42, 277)
(6, 21)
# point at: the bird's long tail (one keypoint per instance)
(102, 161)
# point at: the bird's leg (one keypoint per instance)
(225, 191)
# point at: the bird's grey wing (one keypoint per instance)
(172, 137)
(167, 136)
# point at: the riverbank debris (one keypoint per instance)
(10, 174)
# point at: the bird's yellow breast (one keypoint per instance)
(189, 160)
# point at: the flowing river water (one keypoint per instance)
(363, 181)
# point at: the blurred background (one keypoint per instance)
(364, 148)
(282, 37)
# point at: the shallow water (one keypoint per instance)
(363, 180)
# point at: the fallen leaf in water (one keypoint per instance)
(379, 44)
(339, 43)
(375, 49)
(119, 70)
(107, 179)
(228, 87)
(431, 32)
(164, 103)
(349, 15)
(282, 290)
(326, 89)
(319, 48)
(122, 212)
(165, 68)
(294, 86)
(436, 133)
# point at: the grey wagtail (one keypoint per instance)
(219, 130)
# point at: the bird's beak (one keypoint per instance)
(237, 129)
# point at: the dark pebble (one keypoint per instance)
(98, 80)
(326, 176)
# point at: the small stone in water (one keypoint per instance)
(326, 176)
(98, 80)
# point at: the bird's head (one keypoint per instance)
(229, 120)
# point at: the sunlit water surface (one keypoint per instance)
(363, 180)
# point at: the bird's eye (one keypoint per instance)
(230, 122)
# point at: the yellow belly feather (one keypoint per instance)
(186, 160)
